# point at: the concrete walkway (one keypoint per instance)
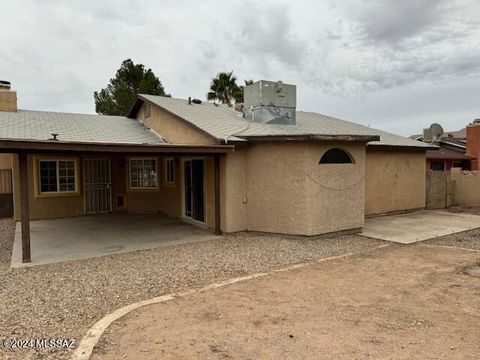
(418, 226)
(83, 237)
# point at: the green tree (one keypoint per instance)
(120, 94)
(224, 88)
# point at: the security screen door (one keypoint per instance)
(194, 190)
(98, 186)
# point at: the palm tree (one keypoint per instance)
(240, 98)
(224, 88)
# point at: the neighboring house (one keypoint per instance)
(270, 168)
(460, 149)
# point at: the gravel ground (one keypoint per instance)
(63, 300)
(467, 240)
(467, 210)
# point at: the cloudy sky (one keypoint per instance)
(393, 65)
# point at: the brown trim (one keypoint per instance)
(25, 206)
(134, 113)
(362, 138)
(218, 230)
(399, 147)
(16, 146)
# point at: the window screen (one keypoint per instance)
(336, 156)
(143, 173)
(57, 176)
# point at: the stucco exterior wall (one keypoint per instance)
(466, 187)
(289, 192)
(394, 180)
(232, 178)
(335, 192)
(276, 187)
(172, 128)
(233, 191)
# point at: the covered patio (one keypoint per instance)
(74, 238)
(54, 240)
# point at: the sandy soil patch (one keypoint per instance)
(64, 300)
(401, 302)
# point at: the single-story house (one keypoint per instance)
(267, 167)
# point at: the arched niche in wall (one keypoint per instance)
(336, 156)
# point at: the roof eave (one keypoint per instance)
(314, 137)
(19, 146)
(401, 147)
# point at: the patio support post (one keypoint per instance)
(218, 230)
(24, 203)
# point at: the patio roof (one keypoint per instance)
(25, 147)
(18, 146)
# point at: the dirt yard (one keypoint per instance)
(399, 302)
(63, 300)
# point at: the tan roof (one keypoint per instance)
(222, 122)
(40, 125)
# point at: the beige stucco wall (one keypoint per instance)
(289, 192)
(335, 192)
(172, 128)
(466, 187)
(232, 178)
(394, 180)
(233, 191)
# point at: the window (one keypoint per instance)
(437, 165)
(57, 176)
(336, 156)
(143, 173)
(169, 172)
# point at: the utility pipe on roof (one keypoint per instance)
(246, 128)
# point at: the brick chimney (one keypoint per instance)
(473, 144)
(8, 98)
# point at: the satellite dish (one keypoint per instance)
(436, 131)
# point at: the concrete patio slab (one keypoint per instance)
(418, 226)
(83, 237)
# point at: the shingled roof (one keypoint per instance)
(79, 128)
(222, 122)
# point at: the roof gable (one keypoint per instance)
(224, 123)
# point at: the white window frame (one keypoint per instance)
(166, 180)
(57, 161)
(130, 173)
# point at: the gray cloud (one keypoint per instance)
(266, 32)
(391, 21)
(392, 64)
